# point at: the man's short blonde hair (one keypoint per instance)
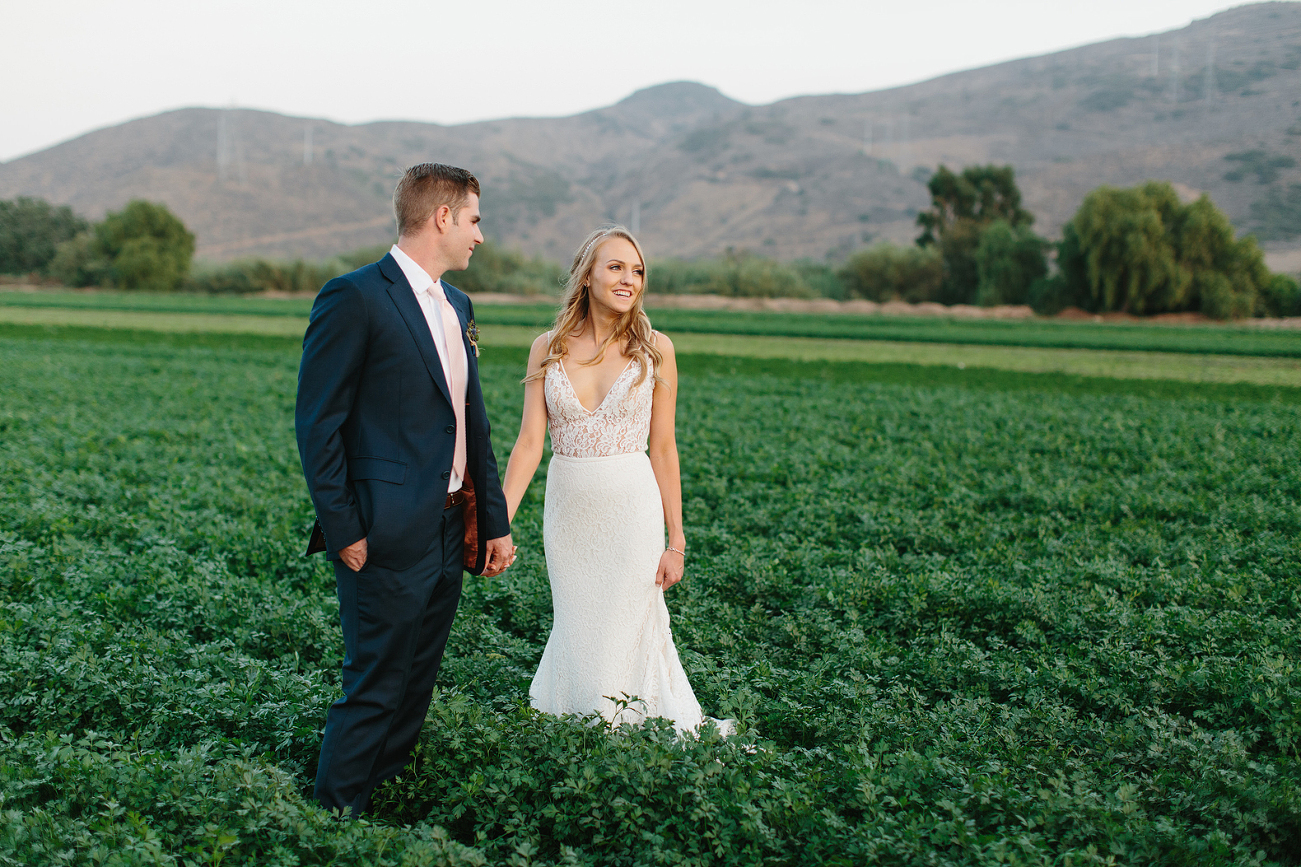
(426, 188)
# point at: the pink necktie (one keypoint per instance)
(456, 375)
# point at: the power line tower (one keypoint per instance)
(905, 150)
(1174, 75)
(230, 151)
(307, 145)
(1211, 91)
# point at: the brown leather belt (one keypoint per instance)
(456, 498)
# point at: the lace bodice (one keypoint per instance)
(620, 425)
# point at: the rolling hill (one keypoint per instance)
(1214, 107)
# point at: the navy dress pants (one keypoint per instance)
(395, 626)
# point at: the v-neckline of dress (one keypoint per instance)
(604, 398)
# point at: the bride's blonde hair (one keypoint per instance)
(632, 328)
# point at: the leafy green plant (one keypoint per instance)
(961, 620)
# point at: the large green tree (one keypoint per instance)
(1009, 260)
(30, 232)
(963, 206)
(146, 246)
(1140, 250)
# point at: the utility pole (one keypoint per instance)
(1209, 84)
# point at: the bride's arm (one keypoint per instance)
(663, 451)
(527, 453)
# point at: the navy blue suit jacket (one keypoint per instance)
(376, 431)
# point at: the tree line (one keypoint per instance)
(144, 246)
(1138, 250)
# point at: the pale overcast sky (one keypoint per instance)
(69, 66)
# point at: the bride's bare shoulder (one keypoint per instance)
(538, 351)
(662, 343)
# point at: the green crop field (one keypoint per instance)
(1226, 339)
(975, 617)
(1206, 354)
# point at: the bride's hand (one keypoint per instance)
(672, 565)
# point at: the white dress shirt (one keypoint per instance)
(430, 294)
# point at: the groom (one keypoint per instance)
(394, 442)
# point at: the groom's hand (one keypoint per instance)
(354, 556)
(500, 554)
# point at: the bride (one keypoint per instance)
(612, 490)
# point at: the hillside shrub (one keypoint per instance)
(682, 277)
(819, 279)
(889, 272)
(748, 276)
(77, 262)
(1264, 165)
(1277, 217)
(738, 274)
(31, 231)
(263, 275)
(1280, 297)
(146, 246)
(494, 269)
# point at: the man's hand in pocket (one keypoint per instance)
(354, 556)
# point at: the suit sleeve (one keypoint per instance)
(334, 349)
(495, 523)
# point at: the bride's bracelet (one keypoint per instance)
(676, 551)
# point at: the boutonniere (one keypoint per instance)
(472, 334)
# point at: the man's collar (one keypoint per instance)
(418, 277)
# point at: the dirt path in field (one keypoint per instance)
(896, 308)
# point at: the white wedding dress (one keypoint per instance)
(603, 530)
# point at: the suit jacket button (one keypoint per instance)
(451, 428)
(447, 474)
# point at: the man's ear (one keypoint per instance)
(442, 218)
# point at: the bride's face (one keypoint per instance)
(618, 276)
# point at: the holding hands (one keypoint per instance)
(500, 554)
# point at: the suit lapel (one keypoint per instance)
(404, 298)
